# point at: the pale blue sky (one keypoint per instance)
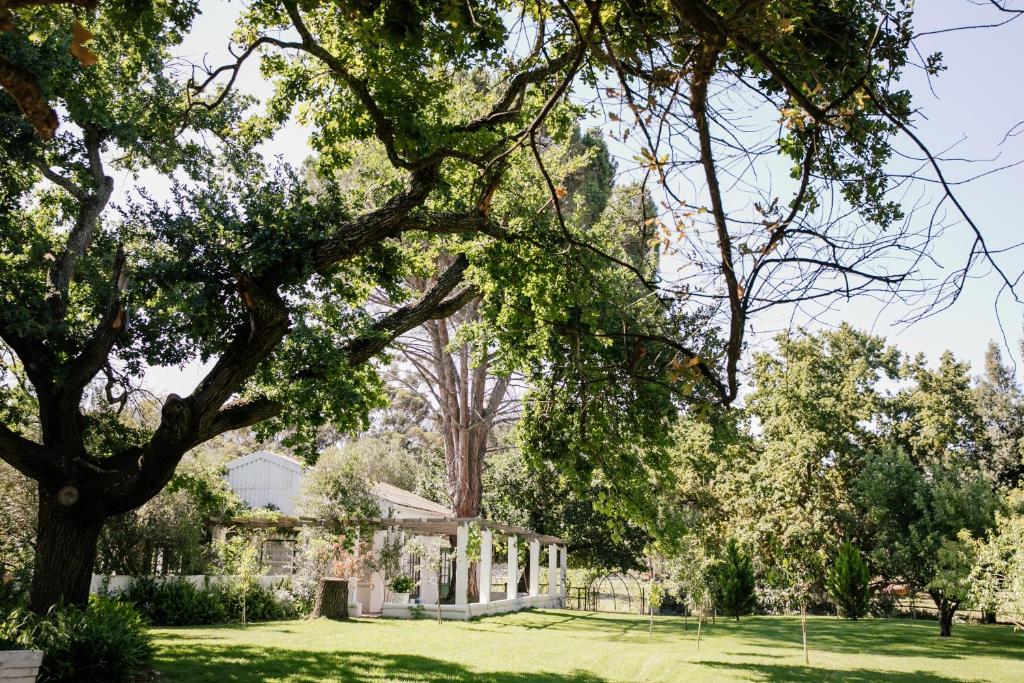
(975, 103)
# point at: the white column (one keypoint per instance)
(564, 583)
(513, 568)
(353, 581)
(486, 559)
(461, 565)
(552, 570)
(377, 588)
(428, 581)
(534, 567)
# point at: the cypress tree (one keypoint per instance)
(734, 581)
(848, 582)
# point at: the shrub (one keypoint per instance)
(848, 582)
(261, 603)
(734, 581)
(174, 602)
(402, 584)
(177, 602)
(673, 602)
(107, 642)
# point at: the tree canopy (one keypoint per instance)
(458, 120)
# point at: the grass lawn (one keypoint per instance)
(585, 647)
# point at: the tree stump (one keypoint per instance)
(331, 598)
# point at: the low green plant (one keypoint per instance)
(106, 642)
(177, 602)
(402, 584)
(418, 611)
(14, 583)
(848, 582)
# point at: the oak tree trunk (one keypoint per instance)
(65, 552)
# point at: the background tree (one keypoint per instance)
(338, 487)
(1001, 409)
(815, 400)
(454, 359)
(934, 417)
(997, 577)
(915, 518)
(537, 496)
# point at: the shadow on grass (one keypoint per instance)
(779, 672)
(202, 663)
(580, 622)
(887, 637)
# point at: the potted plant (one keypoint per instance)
(18, 665)
(401, 586)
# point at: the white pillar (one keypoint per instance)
(552, 570)
(486, 559)
(564, 583)
(461, 565)
(377, 578)
(428, 581)
(513, 568)
(353, 581)
(534, 567)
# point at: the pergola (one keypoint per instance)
(459, 528)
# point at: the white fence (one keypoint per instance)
(118, 583)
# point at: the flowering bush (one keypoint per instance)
(353, 559)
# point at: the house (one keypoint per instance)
(269, 480)
(265, 479)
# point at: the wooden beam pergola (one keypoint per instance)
(424, 526)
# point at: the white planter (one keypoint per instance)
(400, 598)
(20, 666)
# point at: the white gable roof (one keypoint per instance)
(264, 479)
(269, 457)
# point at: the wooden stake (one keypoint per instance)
(700, 619)
(803, 629)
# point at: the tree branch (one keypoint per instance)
(374, 226)
(433, 305)
(28, 457)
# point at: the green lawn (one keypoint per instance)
(583, 647)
